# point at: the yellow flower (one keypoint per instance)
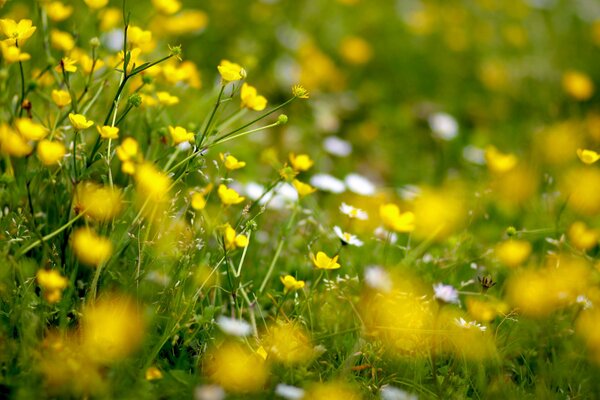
(583, 237)
(153, 374)
(180, 134)
(233, 240)
(68, 64)
(13, 144)
(108, 132)
(79, 122)
(96, 4)
(152, 183)
(167, 7)
(291, 284)
(30, 130)
(499, 162)
(13, 54)
(231, 163)
(128, 154)
(102, 203)
(52, 283)
(57, 11)
(578, 85)
(251, 99)
(90, 248)
(588, 156)
(300, 92)
(356, 50)
(229, 196)
(86, 62)
(49, 152)
(230, 71)
(301, 162)
(62, 41)
(110, 18)
(17, 32)
(198, 201)
(513, 253)
(184, 22)
(166, 99)
(393, 219)
(236, 368)
(303, 189)
(288, 343)
(138, 37)
(323, 261)
(61, 98)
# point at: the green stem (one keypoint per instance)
(49, 236)
(212, 115)
(226, 139)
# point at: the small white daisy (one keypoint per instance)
(347, 238)
(445, 293)
(377, 278)
(359, 184)
(382, 234)
(327, 183)
(289, 392)
(389, 392)
(443, 125)
(353, 212)
(234, 327)
(336, 146)
(469, 324)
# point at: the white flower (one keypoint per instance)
(443, 125)
(347, 238)
(209, 392)
(377, 278)
(474, 155)
(289, 392)
(353, 212)
(382, 234)
(470, 324)
(445, 293)
(336, 146)
(584, 301)
(327, 183)
(360, 185)
(183, 146)
(389, 392)
(234, 327)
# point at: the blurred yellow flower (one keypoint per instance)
(301, 162)
(198, 201)
(52, 283)
(231, 163)
(153, 374)
(110, 18)
(128, 154)
(62, 41)
(96, 4)
(12, 143)
(580, 186)
(499, 162)
(586, 327)
(236, 368)
(393, 219)
(290, 283)
(90, 248)
(303, 189)
(108, 132)
(230, 72)
(99, 202)
(13, 54)
(80, 122)
(50, 152)
(588, 156)
(167, 99)
(68, 64)
(30, 130)
(138, 37)
(251, 99)
(332, 390)
(61, 97)
(323, 261)
(513, 253)
(151, 182)
(288, 343)
(229, 196)
(17, 32)
(577, 85)
(582, 237)
(167, 7)
(356, 50)
(180, 135)
(232, 240)
(57, 11)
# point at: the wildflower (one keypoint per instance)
(513, 253)
(96, 4)
(230, 72)
(460, 322)
(151, 182)
(389, 392)
(12, 143)
(359, 185)
(303, 189)
(30, 130)
(347, 238)
(588, 156)
(13, 54)
(229, 196)
(445, 293)
(234, 327)
(287, 173)
(233, 240)
(396, 221)
(61, 98)
(288, 343)
(80, 122)
(301, 162)
(180, 135)
(198, 201)
(323, 261)
(166, 99)
(251, 99)
(336, 146)
(231, 163)
(62, 41)
(128, 154)
(108, 132)
(353, 212)
(52, 283)
(582, 237)
(50, 152)
(67, 65)
(377, 278)
(236, 368)
(356, 50)
(17, 32)
(578, 85)
(138, 37)
(499, 162)
(167, 7)
(443, 125)
(291, 284)
(289, 392)
(57, 11)
(327, 183)
(102, 203)
(90, 248)
(300, 92)
(153, 374)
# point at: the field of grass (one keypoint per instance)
(324, 199)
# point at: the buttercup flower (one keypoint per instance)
(303, 189)
(108, 132)
(230, 72)
(180, 135)
(17, 32)
(251, 99)
(301, 162)
(231, 163)
(395, 220)
(499, 162)
(68, 64)
(52, 283)
(232, 239)
(229, 196)
(61, 97)
(128, 154)
(90, 248)
(50, 152)
(300, 92)
(588, 156)
(80, 122)
(290, 283)
(30, 130)
(13, 54)
(57, 11)
(323, 261)
(96, 4)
